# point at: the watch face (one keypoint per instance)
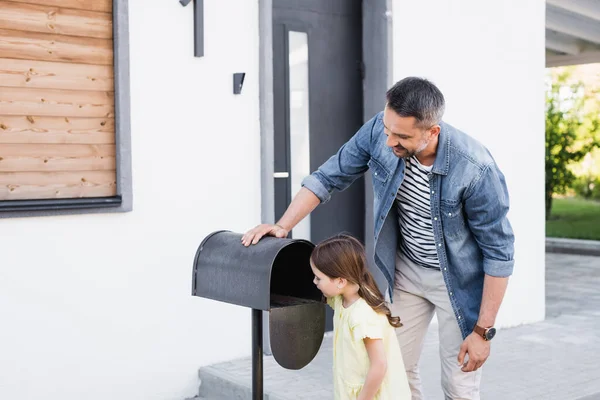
(490, 333)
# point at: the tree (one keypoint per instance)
(571, 132)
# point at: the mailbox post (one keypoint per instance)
(275, 276)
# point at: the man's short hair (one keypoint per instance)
(418, 98)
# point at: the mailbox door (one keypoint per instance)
(296, 333)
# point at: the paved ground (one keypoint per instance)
(558, 359)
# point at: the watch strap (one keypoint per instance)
(480, 331)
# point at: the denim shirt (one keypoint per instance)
(469, 203)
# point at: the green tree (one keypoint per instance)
(572, 124)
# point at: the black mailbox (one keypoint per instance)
(273, 275)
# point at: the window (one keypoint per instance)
(64, 124)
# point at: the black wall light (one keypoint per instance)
(238, 82)
(198, 26)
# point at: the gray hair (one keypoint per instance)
(418, 98)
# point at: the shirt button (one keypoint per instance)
(459, 317)
(444, 268)
(375, 173)
(449, 214)
(440, 245)
(433, 191)
(435, 218)
(450, 293)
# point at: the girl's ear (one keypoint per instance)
(342, 282)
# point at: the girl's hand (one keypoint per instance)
(377, 370)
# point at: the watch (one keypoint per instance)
(485, 333)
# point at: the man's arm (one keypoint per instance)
(337, 173)
(493, 294)
(486, 206)
(302, 205)
(474, 345)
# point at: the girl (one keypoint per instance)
(367, 363)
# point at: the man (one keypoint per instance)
(442, 238)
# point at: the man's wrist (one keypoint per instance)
(281, 226)
(486, 321)
(487, 333)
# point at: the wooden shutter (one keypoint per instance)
(57, 126)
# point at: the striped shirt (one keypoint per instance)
(413, 202)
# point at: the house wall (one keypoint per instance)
(488, 60)
(99, 306)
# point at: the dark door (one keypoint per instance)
(318, 105)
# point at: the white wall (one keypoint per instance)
(99, 306)
(487, 57)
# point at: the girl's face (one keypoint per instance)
(330, 287)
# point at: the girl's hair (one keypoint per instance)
(343, 256)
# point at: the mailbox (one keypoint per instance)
(274, 276)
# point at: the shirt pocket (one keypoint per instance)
(453, 218)
(380, 176)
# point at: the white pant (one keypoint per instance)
(418, 293)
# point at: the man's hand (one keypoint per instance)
(254, 235)
(478, 350)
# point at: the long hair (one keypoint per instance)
(343, 256)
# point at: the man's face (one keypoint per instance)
(405, 139)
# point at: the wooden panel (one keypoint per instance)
(62, 103)
(44, 19)
(57, 127)
(56, 157)
(56, 185)
(53, 75)
(47, 47)
(92, 5)
(34, 129)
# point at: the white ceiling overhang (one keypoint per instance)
(572, 32)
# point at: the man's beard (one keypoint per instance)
(422, 146)
(412, 153)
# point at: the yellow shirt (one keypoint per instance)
(350, 359)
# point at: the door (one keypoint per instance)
(318, 106)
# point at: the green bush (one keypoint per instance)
(584, 186)
(587, 187)
(596, 190)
